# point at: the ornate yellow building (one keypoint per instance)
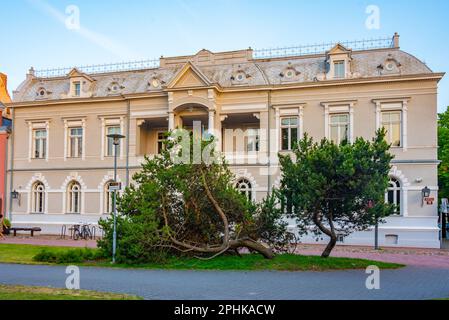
(62, 161)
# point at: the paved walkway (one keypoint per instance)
(413, 283)
(53, 241)
(432, 258)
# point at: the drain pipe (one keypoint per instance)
(269, 143)
(11, 164)
(128, 120)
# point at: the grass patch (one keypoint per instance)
(24, 254)
(255, 262)
(43, 293)
(249, 262)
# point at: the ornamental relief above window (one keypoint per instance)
(290, 73)
(116, 86)
(240, 76)
(390, 66)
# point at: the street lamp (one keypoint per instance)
(116, 142)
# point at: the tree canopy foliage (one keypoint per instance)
(443, 153)
(336, 189)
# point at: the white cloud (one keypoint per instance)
(97, 39)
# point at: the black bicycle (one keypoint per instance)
(82, 232)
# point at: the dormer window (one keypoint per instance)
(77, 89)
(339, 69)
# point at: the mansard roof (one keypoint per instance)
(226, 70)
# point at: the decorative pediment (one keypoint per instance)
(338, 49)
(75, 73)
(189, 76)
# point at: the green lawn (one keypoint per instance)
(20, 253)
(12, 253)
(42, 293)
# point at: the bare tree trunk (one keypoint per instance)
(330, 246)
(329, 232)
(253, 245)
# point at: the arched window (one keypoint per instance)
(74, 197)
(38, 198)
(393, 195)
(245, 188)
(108, 198)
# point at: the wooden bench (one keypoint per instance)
(32, 230)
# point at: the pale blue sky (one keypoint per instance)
(33, 32)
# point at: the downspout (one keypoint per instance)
(12, 164)
(5, 176)
(269, 143)
(128, 116)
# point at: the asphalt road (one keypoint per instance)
(409, 283)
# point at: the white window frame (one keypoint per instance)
(76, 86)
(395, 104)
(289, 127)
(72, 124)
(390, 125)
(339, 125)
(245, 187)
(252, 139)
(395, 186)
(339, 107)
(288, 111)
(34, 126)
(111, 122)
(339, 62)
(107, 198)
(38, 194)
(71, 193)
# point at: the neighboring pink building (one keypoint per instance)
(5, 127)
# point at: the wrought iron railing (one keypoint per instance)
(378, 43)
(100, 68)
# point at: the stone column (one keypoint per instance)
(171, 121)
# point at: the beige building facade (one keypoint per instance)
(61, 161)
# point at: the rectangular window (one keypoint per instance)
(161, 138)
(75, 142)
(339, 127)
(77, 87)
(339, 69)
(289, 133)
(252, 143)
(40, 143)
(392, 122)
(110, 142)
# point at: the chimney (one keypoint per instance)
(396, 40)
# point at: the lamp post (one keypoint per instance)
(116, 142)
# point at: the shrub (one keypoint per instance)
(68, 256)
(7, 223)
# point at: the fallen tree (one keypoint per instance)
(190, 207)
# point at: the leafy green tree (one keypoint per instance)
(443, 153)
(336, 189)
(190, 207)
